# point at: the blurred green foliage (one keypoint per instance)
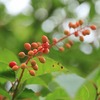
(15, 30)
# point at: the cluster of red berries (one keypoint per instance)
(37, 49)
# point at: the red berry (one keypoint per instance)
(32, 72)
(21, 54)
(76, 34)
(27, 46)
(12, 63)
(93, 27)
(45, 45)
(15, 68)
(55, 40)
(45, 39)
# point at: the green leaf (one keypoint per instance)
(6, 56)
(86, 92)
(48, 67)
(6, 72)
(3, 92)
(27, 93)
(58, 94)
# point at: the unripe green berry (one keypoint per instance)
(21, 54)
(27, 46)
(15, 68)
(32, 72)
(12, 63)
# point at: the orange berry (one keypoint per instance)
(83, 33)
(42, 59)
(74, 26)
(70, 24)
(55, 40)
(21, 54)
(30, 53)
(23, 65)
(32, 72)
(77, 24)
(76, 34)
(87, 32)
(33, 62)
(15, 68)
(66, 32)
(12, 63)
(93, 27)
(81, 22)
(61, 49)
(71, 42)
(35, 51)
(46, 51)
(45, 39)
(81, 38)
(35, 67)
(68, 45)
(27, 46)
(34, 45)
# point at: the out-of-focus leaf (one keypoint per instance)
(86, 92)
(7, 56)
(58, 94)
(27, 94)
(76, 61)
(6, 72)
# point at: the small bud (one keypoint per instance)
(93, 27)
(12, 63)
(33, 62)
(35, 67)
(42, 59)
(27, 46)
(32, 72)
(45, 39)
(21, 54)
(34, 45)
(66, 32)
(81, 38)
(15, 68)
(68, 45)
(30, 53)
(61, 49)
(23, 65)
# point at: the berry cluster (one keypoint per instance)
(37, 49)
